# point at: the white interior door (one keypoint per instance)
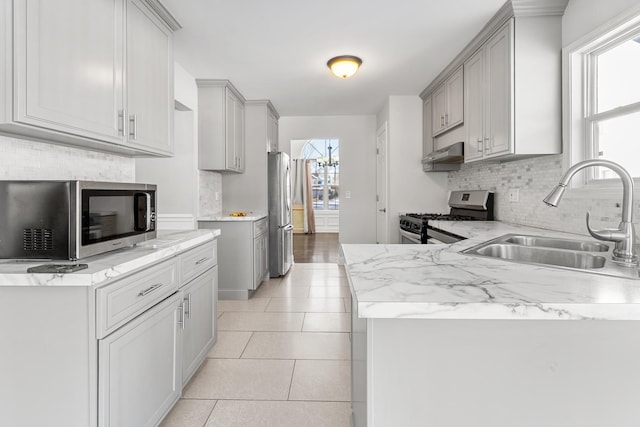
(382, 234)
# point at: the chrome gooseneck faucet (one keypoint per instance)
(624, 252)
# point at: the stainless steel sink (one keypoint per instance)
(542, 255)
(579, 255)
(548, 242)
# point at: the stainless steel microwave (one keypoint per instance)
(73, 219)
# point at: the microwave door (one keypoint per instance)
(142, 211)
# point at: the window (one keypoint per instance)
(325, 172)
(602, 115)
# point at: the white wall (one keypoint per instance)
(410, 189)
(357, 166)
(248, 191)
(183, 191)
(583, 16)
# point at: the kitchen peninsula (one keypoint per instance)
(447, 339)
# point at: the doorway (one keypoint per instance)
(316, 199)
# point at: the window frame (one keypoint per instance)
(579, 101)
(325, 174)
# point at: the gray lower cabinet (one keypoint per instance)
(139, 367)
(114, 355)
(200, 297)
(243, 258)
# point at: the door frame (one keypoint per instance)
(382, 188)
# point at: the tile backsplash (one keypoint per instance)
(534, 178)
(29, 160)
(208, 184)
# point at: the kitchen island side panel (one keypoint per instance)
(48, 357)
(459, 373)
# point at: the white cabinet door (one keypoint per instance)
(257, 262)
(200, 297)
(272, 132)
(499, 87)
(455, 99)
(220, 126)
(149, 80)
(231, 129)
(239, 135)
(439, 106)
(427, 127)
(264, 255)
(68, 66)
(474, 106)
(260, 261)
(140, 368)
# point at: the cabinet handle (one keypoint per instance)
(187, 310)
(133, 126)
(121, 122)
(446, 118)
(181, 316)
(149, 289)
(479, 141)
(441, 121)
(487, 144)
(201, 260)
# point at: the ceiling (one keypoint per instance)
(278, 49)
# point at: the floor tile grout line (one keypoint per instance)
(266, 400)
(293, 372)
(211, 413)
(246, 345)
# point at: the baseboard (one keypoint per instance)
(233, 294)
(176, 222)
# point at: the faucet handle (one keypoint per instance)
(607, 234)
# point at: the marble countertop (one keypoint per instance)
(251, 216)
(108, 265)
(438, 282)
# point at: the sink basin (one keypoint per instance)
(579, 255)
(548, 242)
(542, 255)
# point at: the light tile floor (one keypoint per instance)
(281, 359)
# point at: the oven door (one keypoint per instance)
(435, 236)
(406, 237)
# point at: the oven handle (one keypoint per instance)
(410, 236)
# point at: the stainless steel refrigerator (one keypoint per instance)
(280, 227)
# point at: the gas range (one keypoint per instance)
(475, 205)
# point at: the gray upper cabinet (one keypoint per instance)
(149, 112)
(96, 74)
(510, 84)
(447, 107)
(488, 100)
(221, 132)
(272, 129)
(512, 92)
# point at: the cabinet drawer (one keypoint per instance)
(197, 261)
(260, 227)
(125, 299)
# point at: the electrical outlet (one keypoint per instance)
(217, 196)
(514, 194)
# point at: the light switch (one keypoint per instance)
(347, 194)
(514, 194)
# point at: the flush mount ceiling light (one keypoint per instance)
(344, 66)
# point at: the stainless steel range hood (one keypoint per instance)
(445, 159)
